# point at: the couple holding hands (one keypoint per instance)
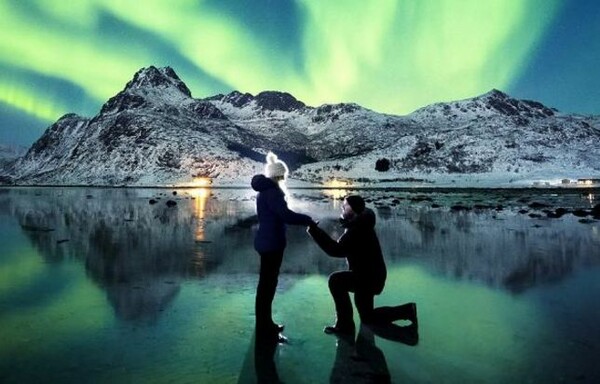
(359, 244)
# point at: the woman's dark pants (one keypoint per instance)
(270, 262)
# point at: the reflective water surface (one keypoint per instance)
(100, 285)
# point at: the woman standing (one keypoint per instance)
(270, 241)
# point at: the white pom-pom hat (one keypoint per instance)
(275, 167)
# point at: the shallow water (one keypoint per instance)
(98, 285)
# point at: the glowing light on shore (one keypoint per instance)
(336, 189)
(201, 182)
(197, 182)
(200, 197)
(337, 184)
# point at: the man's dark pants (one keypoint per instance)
(341, 283)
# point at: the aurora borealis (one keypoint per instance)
(392, 56)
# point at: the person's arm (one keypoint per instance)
(278, 205)
(327, 244)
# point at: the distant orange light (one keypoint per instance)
(336, 188)
(336, 184)
(201, 182)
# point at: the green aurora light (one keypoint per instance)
(392, 56)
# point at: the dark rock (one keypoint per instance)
(434, 205)
(596, 210)
(123, 101)
(206, 110)
(421, 198)
(152, 202)
(581, 212)
(535, 215)
(587, 221)
(560, 212)
(460, 208)
(281, 101)
(235, 98)
(523, 211)
(171, 203)
(174, 193)
(536, 205)
(382, 165)
(61, 241)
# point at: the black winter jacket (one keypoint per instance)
(360, 246)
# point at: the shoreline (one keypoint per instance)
(428, 189)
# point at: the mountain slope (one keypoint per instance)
(154, 132)
(492, 137)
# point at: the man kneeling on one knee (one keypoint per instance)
(366, 272)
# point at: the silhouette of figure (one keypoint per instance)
(362, 360)
(270, 241)
(366, 272)
(264, 361)
(259, 365)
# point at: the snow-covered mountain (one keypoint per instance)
(492, 139)
(152, 132)
(155, 133)
(8, 154)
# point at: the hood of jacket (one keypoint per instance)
(261, 183)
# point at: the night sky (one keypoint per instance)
(391, 56)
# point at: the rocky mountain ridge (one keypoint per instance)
(154, 132)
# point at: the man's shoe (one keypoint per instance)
(339, 330)
(269, 329)
(412, 314)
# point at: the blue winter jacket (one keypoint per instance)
(273, 215)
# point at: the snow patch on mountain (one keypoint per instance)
(154, 132)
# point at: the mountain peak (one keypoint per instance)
(495, 93)
(266, 100)
(152, 77)
(510, 106)
(282, 101)
(147, 84)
